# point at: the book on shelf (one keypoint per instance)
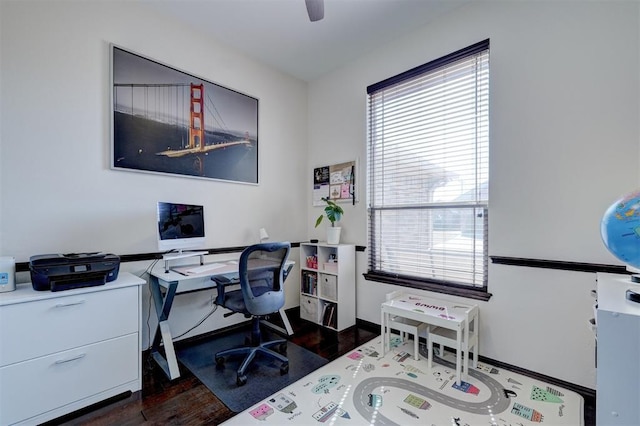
(309, 282)
(332, 316)
(329, 316)
(325, 314)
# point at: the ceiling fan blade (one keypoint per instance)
(315, 9)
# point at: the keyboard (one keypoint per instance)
(205, 268)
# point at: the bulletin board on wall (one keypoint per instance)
(336, 182)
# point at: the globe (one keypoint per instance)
(620, 229)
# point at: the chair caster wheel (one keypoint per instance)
(284, 369)
(219, 361)
(241, 380)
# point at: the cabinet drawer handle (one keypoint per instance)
(63, 361)
(64, 305)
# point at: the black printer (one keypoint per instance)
(57, 272)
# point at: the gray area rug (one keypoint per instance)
(263, 375)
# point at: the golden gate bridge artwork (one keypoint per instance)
(166, 121)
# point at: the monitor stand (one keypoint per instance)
(181, 255)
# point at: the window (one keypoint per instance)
(428, 174)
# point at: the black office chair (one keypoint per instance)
(262, 273)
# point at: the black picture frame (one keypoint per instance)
(171, 122)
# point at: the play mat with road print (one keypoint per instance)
(363, 388)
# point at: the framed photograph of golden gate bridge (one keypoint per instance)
(171, 122)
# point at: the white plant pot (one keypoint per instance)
(333, 234)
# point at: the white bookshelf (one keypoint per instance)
(327, 284)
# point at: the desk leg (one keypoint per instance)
(458, 357)
(286, 322)
(383, 333)
(476, 349)
(169, 362)
(466, 349)
(287, 330)
(283, 314)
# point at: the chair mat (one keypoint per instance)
(263, 374)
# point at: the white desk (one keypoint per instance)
(174, 283)
(436, 312)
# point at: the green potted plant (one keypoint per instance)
(333, 212)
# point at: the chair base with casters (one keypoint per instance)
(262, 273)
(263, 348)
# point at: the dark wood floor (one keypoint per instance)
(186, 401)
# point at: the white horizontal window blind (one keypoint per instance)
(428, 171)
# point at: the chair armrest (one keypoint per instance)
(221, 282)
(286, 271)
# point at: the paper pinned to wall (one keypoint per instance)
(336, 182)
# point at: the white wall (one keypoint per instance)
(564, 131)
(58, 194)
(564, 145)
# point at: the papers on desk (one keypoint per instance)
(208, 268)
(222, 267)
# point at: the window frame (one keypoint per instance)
(425, 283)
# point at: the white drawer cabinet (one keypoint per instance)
(618, 371)
(62, 351)
(54, 325)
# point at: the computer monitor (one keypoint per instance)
(180, 226)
